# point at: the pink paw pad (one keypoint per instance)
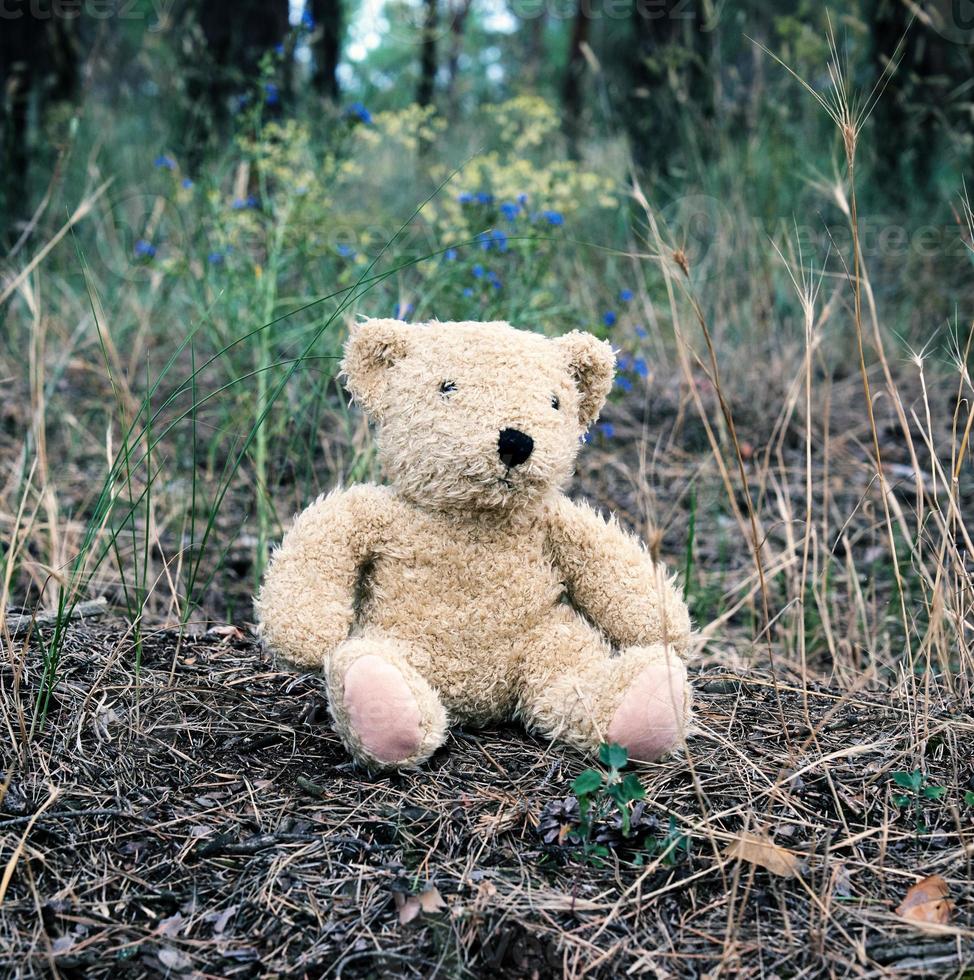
(649, 720)
(382, 710)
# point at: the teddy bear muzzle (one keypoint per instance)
(514, 447)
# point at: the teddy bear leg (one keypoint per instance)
(385, 712)
(576, 690)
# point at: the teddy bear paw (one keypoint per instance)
(382, 710)
(651, 717)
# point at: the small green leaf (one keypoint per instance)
(587, 782)
(907, 780)
(632, 788)
(934, 792)
(969, 798)
(901, 800)
(614, 756)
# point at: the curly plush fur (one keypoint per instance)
(471, 589)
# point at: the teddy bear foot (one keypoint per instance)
(651, 718)
(384, 711)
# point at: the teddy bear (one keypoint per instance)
(470, 589)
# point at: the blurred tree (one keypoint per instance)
(670, 80)
(459, 11)
(223, 63)
(39, 59)
(573, 98)
(427, 57)
(327, 45)
(927, 100)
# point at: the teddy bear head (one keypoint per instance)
(476, 416)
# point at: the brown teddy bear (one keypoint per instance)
(471, 589)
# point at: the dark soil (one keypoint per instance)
(207, 822)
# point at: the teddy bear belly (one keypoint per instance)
(461, 634)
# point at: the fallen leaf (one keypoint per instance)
(927, 901)
(409, 906)
(757, 848)
(431, 900)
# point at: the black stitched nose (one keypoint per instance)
(514, 447)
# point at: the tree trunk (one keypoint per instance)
(38, 66)
(427, 60)
(534, 53)
(573, 100)
(458, 22)
(329, 25)
(224, 64)
(651, 99)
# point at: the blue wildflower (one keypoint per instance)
(625, 295)
(468, 292)
(609, 318)
(215, 258)
(623, 382)
(484, 198)
(241, 102)
(510, 210)
(164, 162)
(485, 241)
(641, 331)
(478, 271)
(272, 94)
(640, 366)
(522, 199)
(144, 249)
(465, 198)
(187, 183)
(307, 20)
(358, 111)
(346, 251)
(607, 429)
(494, 279)
(401, 312)
(450, 255)
(553, 217)
(500, 239)
(624, 362)
(279, 50)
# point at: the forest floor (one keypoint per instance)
(200, 818)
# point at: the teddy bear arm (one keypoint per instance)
(306, 606)
(612, 579)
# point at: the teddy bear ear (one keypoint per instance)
(373, 346)
(591, 363)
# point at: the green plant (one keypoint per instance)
(669, 847)
(599, 793)
(915, 791)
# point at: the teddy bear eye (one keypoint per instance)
(447, 386)
(555, 403)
